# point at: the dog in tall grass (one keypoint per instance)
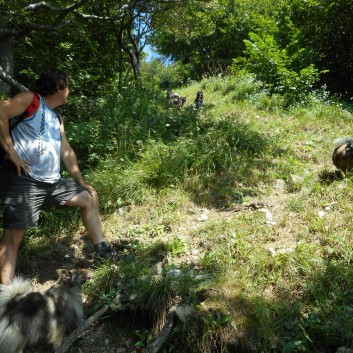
(342, 156)
(176, 100)
(198, 100)
(30, 317)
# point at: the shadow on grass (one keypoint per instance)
(328, 177)
(48, 246)
(317, 320)
(315, 315)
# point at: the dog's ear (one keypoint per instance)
(86, 274)
(73, 276)
(79, 275)
(63, 274)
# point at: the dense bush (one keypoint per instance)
(276, 67)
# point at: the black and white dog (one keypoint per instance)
(176, 100)
(30, 317)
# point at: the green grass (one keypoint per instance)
(251, 286)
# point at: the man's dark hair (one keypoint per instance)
(50, 81)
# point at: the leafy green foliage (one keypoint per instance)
(165, 77)
(325, 27)
(303, 39)
(275, 67)
(203, 36)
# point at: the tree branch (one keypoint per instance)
(10, 81)
(58, 22)
(43, 5)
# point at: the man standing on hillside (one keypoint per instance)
(37, 149)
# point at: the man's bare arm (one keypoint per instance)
(8, 110)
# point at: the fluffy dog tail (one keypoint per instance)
(18, 287)
(342, 141)
(11, 340)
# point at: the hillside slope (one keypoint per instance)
(235, 212)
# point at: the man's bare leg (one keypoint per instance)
(90, 215)
(9, 246)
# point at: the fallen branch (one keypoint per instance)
(157, 344)
(183, 312)
(69, 340)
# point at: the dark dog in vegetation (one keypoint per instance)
(29, 317)
(199, 99)
(342, 156)
(176, 100)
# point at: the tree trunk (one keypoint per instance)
(6, 54)
(7, 63)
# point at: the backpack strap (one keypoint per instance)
(33, 107)
(30, 110)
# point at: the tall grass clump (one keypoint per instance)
(222, 153)
(240, 87)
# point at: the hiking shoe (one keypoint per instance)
(104, 251)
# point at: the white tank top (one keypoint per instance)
(40, 144)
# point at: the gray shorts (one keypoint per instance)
(26, 196)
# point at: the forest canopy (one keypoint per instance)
(289, 45)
